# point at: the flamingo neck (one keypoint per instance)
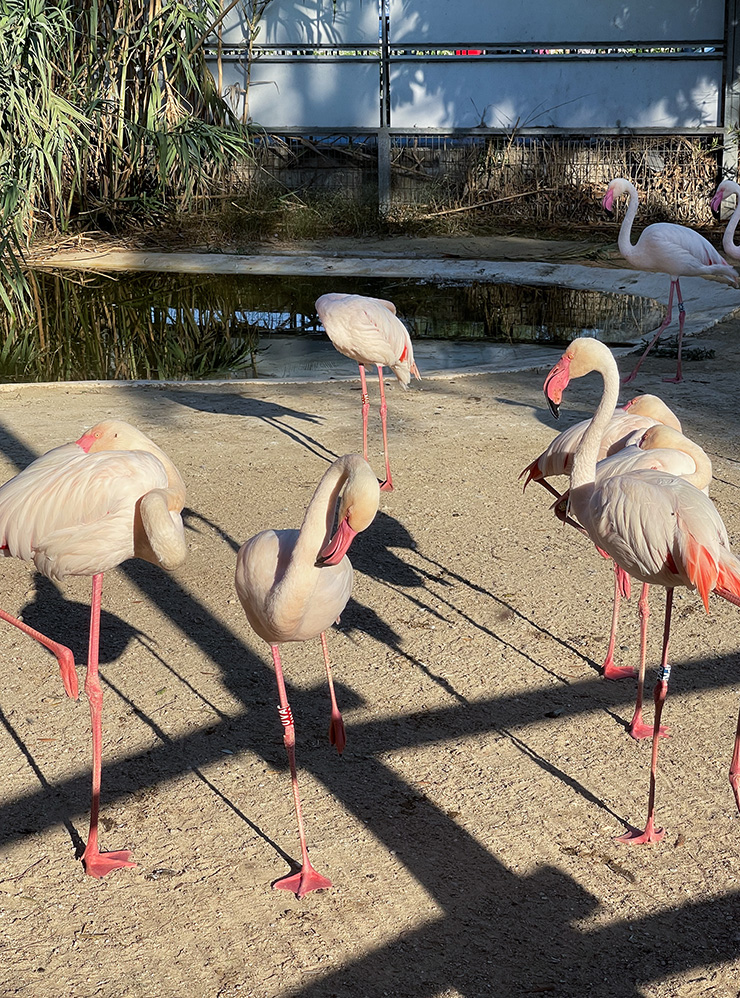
(624, 242)
(583, 473)
(702, 475)
(297, 583)
(728, 239)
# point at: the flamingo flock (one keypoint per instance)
(638, 491)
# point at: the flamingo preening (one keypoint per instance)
(659, 528)
(293, 585)
(82, 509)
(369, 331)
(666, 248)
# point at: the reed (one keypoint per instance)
(107, 111)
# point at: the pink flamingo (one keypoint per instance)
(666, 248)
(660, 448)
(626, 426)
(367, 330)
(82, 509)
(657, 527)
(293, 584)
(725, 190)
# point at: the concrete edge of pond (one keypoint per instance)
(707, 302)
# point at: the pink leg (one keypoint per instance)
(307, 879)
(609, 670)
(735, 765)
(636, 727)
(97, 864)
(365, 409)
(681, 321)
(387, 485)
(63, 655)
(337, 735)
(651, 833)
(664, 325)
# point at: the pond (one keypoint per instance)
(153, 326)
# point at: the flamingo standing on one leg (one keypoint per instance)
(667, 248)
(657, 527)
(626, 425)
(725, 190)
(368, 331)
(293, 585)
(82, 509)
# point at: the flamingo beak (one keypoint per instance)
(608, 200)
(555, 383)
(716, 201)
(338, 546)
(86, 441)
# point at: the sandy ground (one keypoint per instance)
(469, 827)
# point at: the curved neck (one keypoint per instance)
(584, 461)
(298, 581)
(625, 232)
(702, 476)
(728, 239)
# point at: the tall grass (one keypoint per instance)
(107, 111)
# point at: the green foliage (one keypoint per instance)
(106, 106)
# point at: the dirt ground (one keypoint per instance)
(469, 827)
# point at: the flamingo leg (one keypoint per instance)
(651, 833)
(609, 670)
(387, 485)
(681, 321)
(97, 864)
(337, 734)
(64, 656)
(735, 765)
(637, 728)
(663, 326)
(307, 879)
(365, 409)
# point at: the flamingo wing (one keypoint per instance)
(73, 513)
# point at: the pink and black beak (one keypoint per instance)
(717, 200)
(608, 200)
(86, 441)
(555, 384)
(333, 552)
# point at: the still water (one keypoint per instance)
(178, 327)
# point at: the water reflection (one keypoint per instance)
(164, 326)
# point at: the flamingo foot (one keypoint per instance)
(68, 673)
(611, 671)
(635, 837)
(301, 883)
(673, 381)
(386, 486)
(639, 730)
(337, 734)
(97, 864)
(628, 379)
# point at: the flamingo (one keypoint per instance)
(657, 527)
(367, 330)
(82, 509)
(660, 448)
(293, 584)
(667, 248)
(725, 190)
(626, 426)
(636, 415)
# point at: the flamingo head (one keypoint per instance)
(725, 190)
(112, 434)
(616, 189)
(357, 508)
